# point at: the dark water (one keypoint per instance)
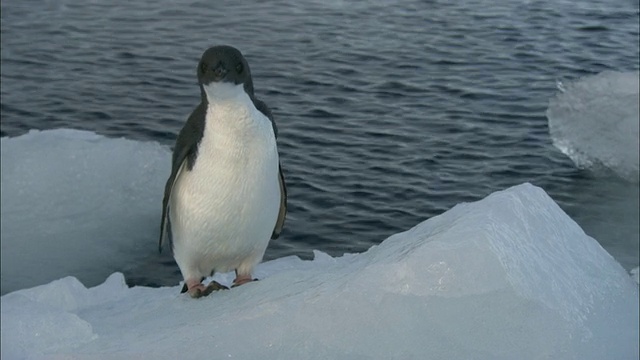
(389, 112)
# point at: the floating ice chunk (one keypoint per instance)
(77, 203)
(594, 121)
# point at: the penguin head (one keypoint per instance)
(224, 64)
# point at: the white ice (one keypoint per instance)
(594, 121)
(507, 277)
(76, 203)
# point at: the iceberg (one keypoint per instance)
(508, 277)
(594, 121)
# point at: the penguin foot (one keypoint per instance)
(242, 279)
(198, 290)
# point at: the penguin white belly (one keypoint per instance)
(224, 210)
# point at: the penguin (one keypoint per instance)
(226, 195)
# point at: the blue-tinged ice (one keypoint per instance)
(595, 121)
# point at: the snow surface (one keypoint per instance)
(594, 121)
(507, 277)
(62, 184)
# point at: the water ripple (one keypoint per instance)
(388, 113)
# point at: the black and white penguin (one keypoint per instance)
(226, 195)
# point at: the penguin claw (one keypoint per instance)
(237, 282)
(200, 290)
(196, 293)
(215, 286)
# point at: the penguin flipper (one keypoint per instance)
(165, 206)
(283, 205)
(184, 155)
(263, 108)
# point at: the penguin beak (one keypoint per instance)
(219, 72)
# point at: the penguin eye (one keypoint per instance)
(203, 67)
(239, 68)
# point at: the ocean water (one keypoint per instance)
(389, 112)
